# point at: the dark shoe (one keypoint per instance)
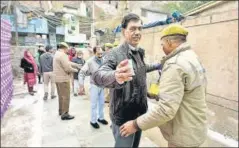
(95, 125)
(45, 96)
(67, 117)
(75, 95)
(53, 97)
(60, 113)
(103, 121)
(34, 91)
(31, 93)
(40, 82)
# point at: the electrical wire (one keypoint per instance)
(90, 20)
(58, 22)
(51, 20)
(37, 13)
(50, 23)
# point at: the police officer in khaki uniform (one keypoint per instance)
(107, 47)
(181, 110)
(62, 70)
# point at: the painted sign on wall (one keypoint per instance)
(29, 41)
(72, 34)
(60, 30)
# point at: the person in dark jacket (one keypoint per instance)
(40, 51)
(79, 60)
(46, 67)
(128, 91)
(30, 71)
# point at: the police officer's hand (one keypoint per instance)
(123, 72)
(127, 129)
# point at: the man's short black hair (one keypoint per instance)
(130, 17)
(48, 48)
(95, 49)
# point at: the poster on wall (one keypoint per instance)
(29, 41)
(72, 34)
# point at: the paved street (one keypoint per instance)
(30, 121)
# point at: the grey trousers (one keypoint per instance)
(130, 141)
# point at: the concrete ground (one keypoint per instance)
(32, 122)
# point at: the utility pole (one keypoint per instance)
(40, 4)
(9, 6)
(15, 20)
(93, 19)
(93, 38)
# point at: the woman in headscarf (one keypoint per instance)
(30, 71)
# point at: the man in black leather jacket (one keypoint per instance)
(128, 93)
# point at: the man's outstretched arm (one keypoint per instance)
(106, 75)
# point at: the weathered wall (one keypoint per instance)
(223, 7)
(215, 39)
(16, 55)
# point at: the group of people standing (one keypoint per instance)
(41, 66)
(181, 109)
(60, 68)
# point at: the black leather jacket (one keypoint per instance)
(129, 100)
(28, 67)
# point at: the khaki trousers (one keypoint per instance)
(107, 94)
(48, 76)
(63, 90)
(205, 144)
